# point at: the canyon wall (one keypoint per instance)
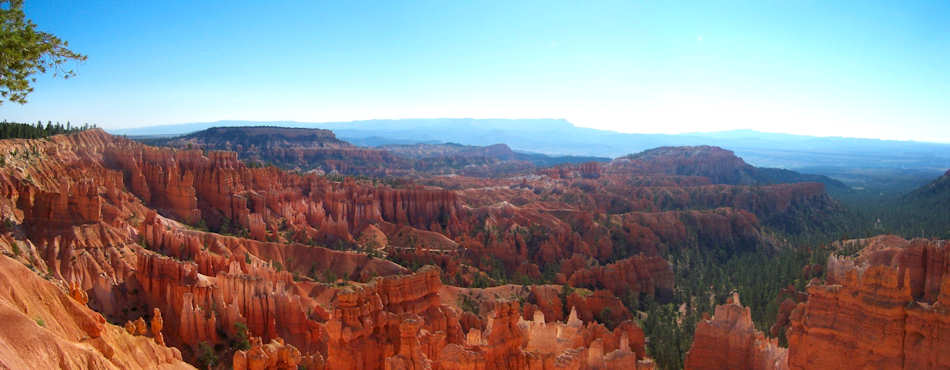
(47, 326)
(884, 308)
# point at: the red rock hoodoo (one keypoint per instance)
(729, 340)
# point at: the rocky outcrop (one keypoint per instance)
(926, 261)
(729, 340)
(877, 309)
(510, 342)
(639, 274)
(43, 327)
(163, 236)
(197, 307)
(377, 324)
(273, 356)
(223, 193)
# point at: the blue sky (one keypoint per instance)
(861, 69)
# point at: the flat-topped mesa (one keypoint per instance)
(259, 138)
(729, 340)
(877, 310)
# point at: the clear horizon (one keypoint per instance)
(877, 70)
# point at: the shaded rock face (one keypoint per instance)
(882, 308)
(729, 340)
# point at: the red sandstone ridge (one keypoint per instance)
(41, 326)
(884, 308)
(729, 340)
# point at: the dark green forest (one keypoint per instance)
(14, 130)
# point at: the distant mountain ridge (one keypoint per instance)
(925, 211)
(320, 149)
(858, 162)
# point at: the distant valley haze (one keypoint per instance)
(855, 161)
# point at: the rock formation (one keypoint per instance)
(883, 308)
(273, 356)
(43, 327)
(185, 245)
(729, 340)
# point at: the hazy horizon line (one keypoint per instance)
(752, 130)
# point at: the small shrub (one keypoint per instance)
(241, 341)
(467, 304)
(206, 356)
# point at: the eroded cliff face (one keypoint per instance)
(139, 233)
(78, 208)
(220, 191)
(507, 341)
(883, 308)
(43, 326)
(729, 340)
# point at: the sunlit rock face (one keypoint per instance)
(729, 340)
(882, 308)
(45, 326)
